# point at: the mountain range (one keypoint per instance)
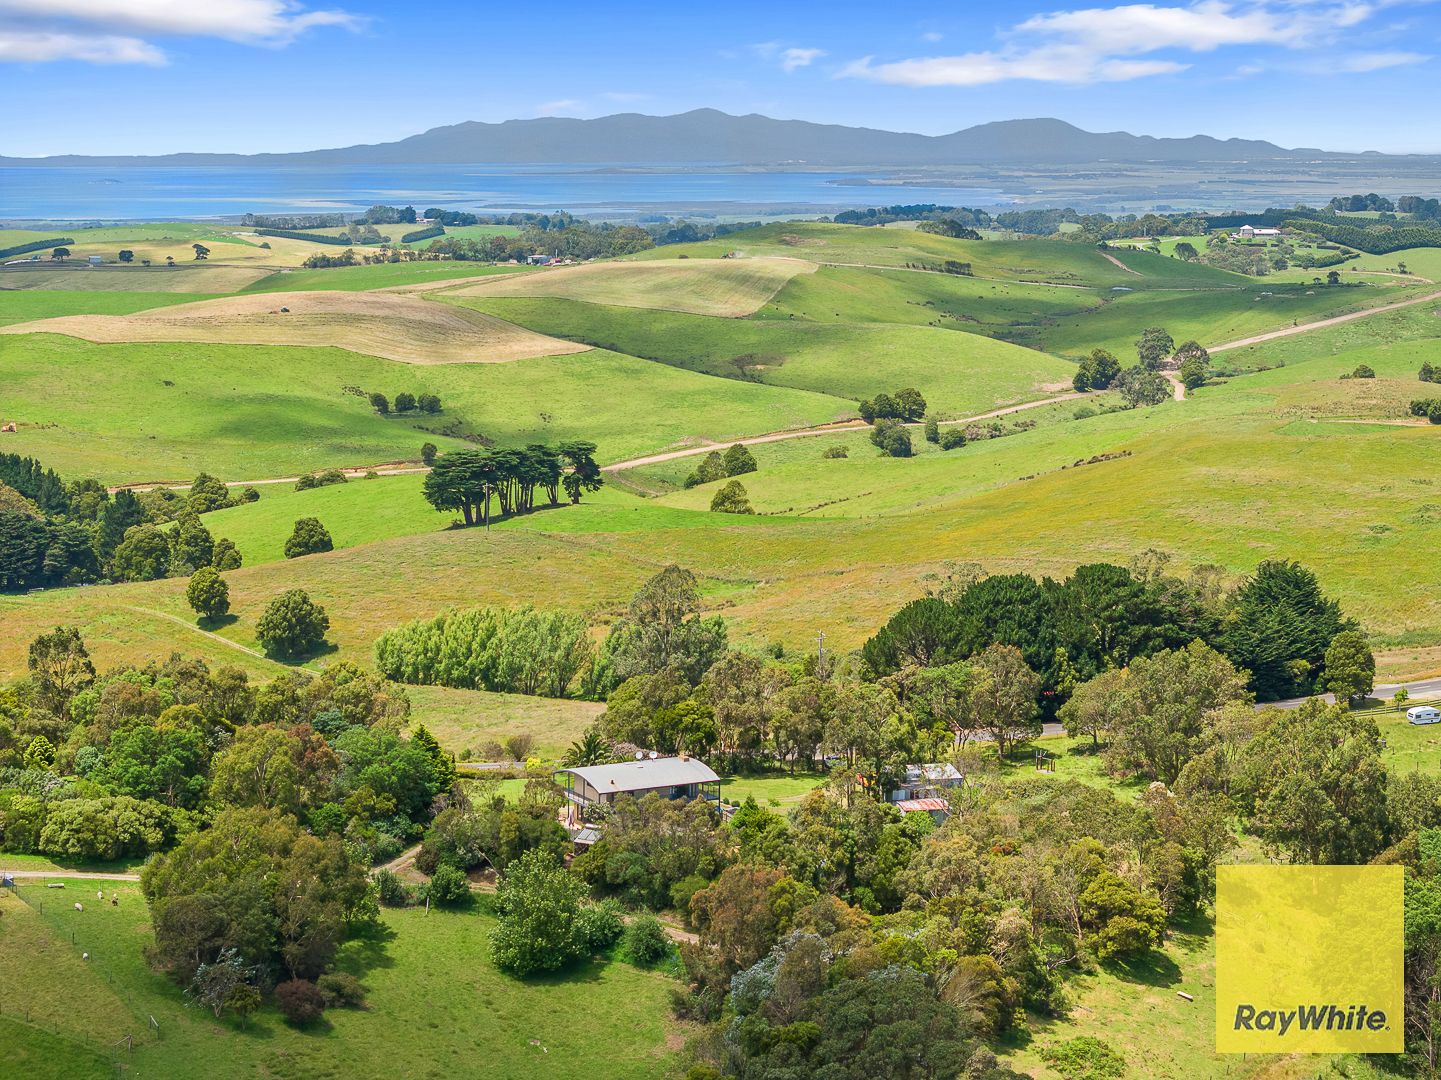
(707, 136)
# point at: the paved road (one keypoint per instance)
(1422, 688)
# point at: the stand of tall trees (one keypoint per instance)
(58, 532)
(467, 480)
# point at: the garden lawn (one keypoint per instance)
(778, 789)
(462, 721)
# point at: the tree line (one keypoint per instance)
(57, 532)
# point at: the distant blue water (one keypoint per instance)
(172, 193)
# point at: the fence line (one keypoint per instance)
(32, 894)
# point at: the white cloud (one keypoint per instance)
(932, 35)
(791, 59)
(624, 97)
(1057, 64)
(1119, 44)
(1378, 61)
(554, 108)
(102, 31)
(41, 47)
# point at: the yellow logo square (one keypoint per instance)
(1309, 959)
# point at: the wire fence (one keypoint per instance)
(92, 948)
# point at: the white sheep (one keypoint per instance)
(78, 906)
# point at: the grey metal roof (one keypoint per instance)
(936, 772)
(646, 774)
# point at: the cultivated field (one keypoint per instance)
(407, 329)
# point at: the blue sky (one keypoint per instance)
(153, 76)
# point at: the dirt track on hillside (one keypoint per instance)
(1335, 320)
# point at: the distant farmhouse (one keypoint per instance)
(924, 788)
(1250, 232)
(589, 789)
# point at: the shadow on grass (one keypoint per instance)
(585, 971)
(367, 950)
(325, 648)
(215, 623)
(1154, 969)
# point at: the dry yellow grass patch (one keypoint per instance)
(403, 328)
(732, 288)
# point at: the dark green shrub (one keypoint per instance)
(390, 889)
(600, 926)
(953, 439)
(1085, 1058)
(449, 886)
(292, 625)
(646, 941)
(341, 990)
(309, 537)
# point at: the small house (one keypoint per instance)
(1250, 232)
(925, 787)
(590, 787)
(95, 260)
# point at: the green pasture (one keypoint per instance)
(959, 374)
(24, 305)
(163, 412)
(465, 720)
(1211, 317)
(436, 1006)
(186, 277)
(1021, 260)
(976, 305)
(1209, 480)
(368, 511)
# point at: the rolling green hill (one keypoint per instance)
(959, 374)
(146, 412)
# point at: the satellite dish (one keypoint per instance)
(653, 755)
(640, 755)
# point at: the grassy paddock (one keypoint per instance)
(959, 374)
(380, 276)
(140, 412)
(435, 1006)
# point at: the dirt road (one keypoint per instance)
(66, 875)
(1304, 328)
(823, 429)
